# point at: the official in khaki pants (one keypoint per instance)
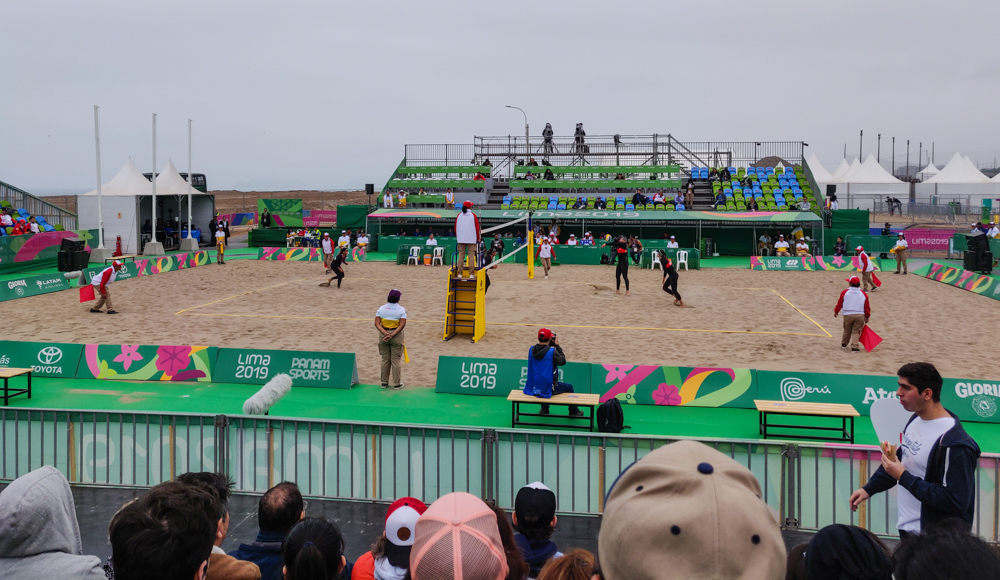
(900, 252)
(390, 320)
(103, 282)
(853, 303)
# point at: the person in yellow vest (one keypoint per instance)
(220, 244)
(401, 196)
(449, 199)
(900, 252)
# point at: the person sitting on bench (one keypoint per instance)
(543, 376)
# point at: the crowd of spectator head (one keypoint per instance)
(684, 510)
(13, 223)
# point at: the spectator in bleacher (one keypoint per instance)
(600, 203)
(20, 228)
(547, 139)
(672, 243)
(581, 203)
(417, 233)
(280, 508)
(468, 237)
(518, 239)
(420, 191)
(659, 199)
(39, 533)
(389, 558)
(33, 225)
(220, 565)
(993, 231)
(839, 247)
(689, 197)
(572, 241)
(944, 555)
(488, 163)
(449, 199)
(535, 521)
(5, 219)
(588, 239)
(842, 552)
(431, 240)
(781, 247)
(314, 550)
(533, 163)
(802, 248)
(639, 199)
(725, 175)
(689, 185)
(387, 199)
(720, 200)
(686, 510)
(458, 528)
(751, 203)
(713, 174)
(679, 204)
(401, 198)
(165, 533)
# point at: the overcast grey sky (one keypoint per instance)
(325, 94)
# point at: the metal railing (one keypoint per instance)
(806, 484)
(20, 199)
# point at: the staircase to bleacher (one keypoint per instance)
(703, 197)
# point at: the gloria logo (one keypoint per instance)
(984, 406)
(966, 390)
(794, 389)
(17, 283)
(50, 355)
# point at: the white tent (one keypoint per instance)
(959, 170)
(871, 171)
(851, 170)
(127, 203)
(843, 168)
(928, 171)
(819, 173)
(996, 178)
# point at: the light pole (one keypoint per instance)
(894, 157)
(861, 144)
(878, 150)
(527, 142)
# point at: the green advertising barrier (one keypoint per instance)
(388, 244)
(674, 386)
(811, 263)
(972, 400)
(330, 370)
(284, 212)
(859, 391)
(150, 266)
(36, 251)
(498, 376)
(33, 286)
(142, 362)
(46, 359)
(988, 286)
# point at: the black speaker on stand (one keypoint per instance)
(370, 191)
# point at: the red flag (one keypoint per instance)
(869, 339)
(878, 283)
(87, 293)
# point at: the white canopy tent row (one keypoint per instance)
(928, 172)
(959, 181)
(128, 201)
(860, 185)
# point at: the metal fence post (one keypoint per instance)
(790, 466)
(488, 458)
(222, 446)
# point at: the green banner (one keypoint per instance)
(24, 249)
(778, 263)
(783, 217)
(977, 283)
(142, 362)
(674, 386)
(33, 286)
(972, 400)
(330, 370)
(498, 376)
(857, 390)
(46, 359)
(284, 212)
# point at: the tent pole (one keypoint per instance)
(190, 179)
(154, 179)
(100, 208)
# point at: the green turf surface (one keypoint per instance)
(412, 405)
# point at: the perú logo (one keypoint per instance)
(50, 355)
(984, 406)
(793, 389)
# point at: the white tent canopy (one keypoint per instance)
(959, 170)
(129, 182)
(843, 168)
(853, 168)
(928, 171)
(170, 182)
(820, 174)
(871, 171)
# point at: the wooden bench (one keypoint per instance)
(7, 374)
(832, 410)
(122, 258)
(517, 397)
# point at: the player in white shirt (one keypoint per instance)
(390, 320)
(572, 240)
(900, 251)
(220, 245)
(867, 267)
(545, 253)
(934, 467)
(781, 247)
(673, 243)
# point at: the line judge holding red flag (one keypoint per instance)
(853, 302)
(102, 281)
(867, 267)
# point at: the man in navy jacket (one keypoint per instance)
(936, 463)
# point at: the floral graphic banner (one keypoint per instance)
(291, 254)
(141, 362)
(674, 386)
(149, 266)
(964, 279)
(836, 263)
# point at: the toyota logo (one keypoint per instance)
(50, 355)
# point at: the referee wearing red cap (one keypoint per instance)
(102, 281)
(853, 303)
(467, 234)
(867, 267)
(543, 376)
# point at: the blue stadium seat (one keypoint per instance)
(561, 206)
(552, 206)
(769, 170)
(630, 207)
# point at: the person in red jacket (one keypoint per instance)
(102, 280)
(853, 303)
(389, 558)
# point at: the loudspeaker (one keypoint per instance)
(63, 260)
(831, 190)
(370, 188)
(79, 260)
(72, 245)
(978, 242)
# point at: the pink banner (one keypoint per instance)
(926, 239)
(324, 215)
(310, 222)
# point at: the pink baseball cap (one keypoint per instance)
(459, 521)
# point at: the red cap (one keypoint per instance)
(467, 204)
(401, 520)
(544, 334)
(854, 280)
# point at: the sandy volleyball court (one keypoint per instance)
(738, 318)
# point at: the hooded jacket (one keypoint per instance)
(39, 534)
(948, 488)
(536, 553)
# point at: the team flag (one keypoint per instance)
(87, 293)
(869, 339)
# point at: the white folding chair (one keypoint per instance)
(682, 258)
(656, 261)
(438, 257)
(414, 256)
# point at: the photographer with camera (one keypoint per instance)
(543, 375)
